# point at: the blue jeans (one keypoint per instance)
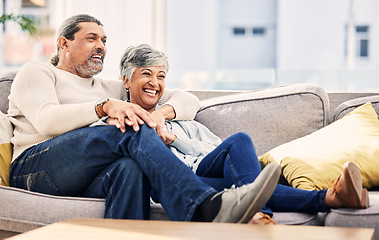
(235, 161)
(103, 162)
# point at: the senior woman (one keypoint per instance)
(232, 162)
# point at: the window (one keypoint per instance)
(259, 31)
(362, 41)
(239, 31)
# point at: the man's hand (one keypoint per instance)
(122, 113)
(160, 120)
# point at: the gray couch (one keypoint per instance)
(270, 116)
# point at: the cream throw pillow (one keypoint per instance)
(6, 150)
(313, 161)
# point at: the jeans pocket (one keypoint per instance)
(37, 182)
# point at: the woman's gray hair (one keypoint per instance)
(68, 28)
(141, 56)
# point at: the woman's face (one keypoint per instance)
(146, 86)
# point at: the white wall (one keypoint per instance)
(126, 23)
(191, 33)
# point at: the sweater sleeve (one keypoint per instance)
(34, 95)
(184, 103)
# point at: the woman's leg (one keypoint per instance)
(290, 199)
(234, 162)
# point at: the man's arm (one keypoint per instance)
(179, 105)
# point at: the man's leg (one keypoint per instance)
(125, 189)
(233, 162)
(181, 192)
(72, 161)
(68, 164)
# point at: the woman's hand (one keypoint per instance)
(169, 137)
(122, 113)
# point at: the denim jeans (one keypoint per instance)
(103, 162)
(235, 161)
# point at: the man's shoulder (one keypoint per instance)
(109, 82)
(36, 66)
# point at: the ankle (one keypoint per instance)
(208, 209)
(331, 200)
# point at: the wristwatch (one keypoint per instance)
(99, 107)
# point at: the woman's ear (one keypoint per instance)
(126, 82)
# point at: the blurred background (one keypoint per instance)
(218, 44)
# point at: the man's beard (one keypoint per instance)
(90, 68)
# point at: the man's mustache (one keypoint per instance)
(97, 52)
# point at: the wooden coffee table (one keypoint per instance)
(138, 229)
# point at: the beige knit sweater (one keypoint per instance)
(46, 102)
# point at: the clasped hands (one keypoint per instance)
(122, 114)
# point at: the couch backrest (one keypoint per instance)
(271, 116)
(5, 88)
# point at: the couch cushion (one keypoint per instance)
(348, 106)
(268, 115)
(5, 88)
(357, 218)
(294, 218)
(21, 209)
(6, 150)
(313, 161)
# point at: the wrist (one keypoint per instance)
(99, 108)
(168, 112)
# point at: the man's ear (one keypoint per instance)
(63, 43)
(126, 82)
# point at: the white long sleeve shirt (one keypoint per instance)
(46, 102)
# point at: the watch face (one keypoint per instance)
(101, 102)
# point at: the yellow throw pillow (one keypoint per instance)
(313, 161)
(6, 150)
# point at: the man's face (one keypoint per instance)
(87, 51)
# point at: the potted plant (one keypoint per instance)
(26, 23)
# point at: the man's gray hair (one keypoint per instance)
(141, 56)
(68, 28)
